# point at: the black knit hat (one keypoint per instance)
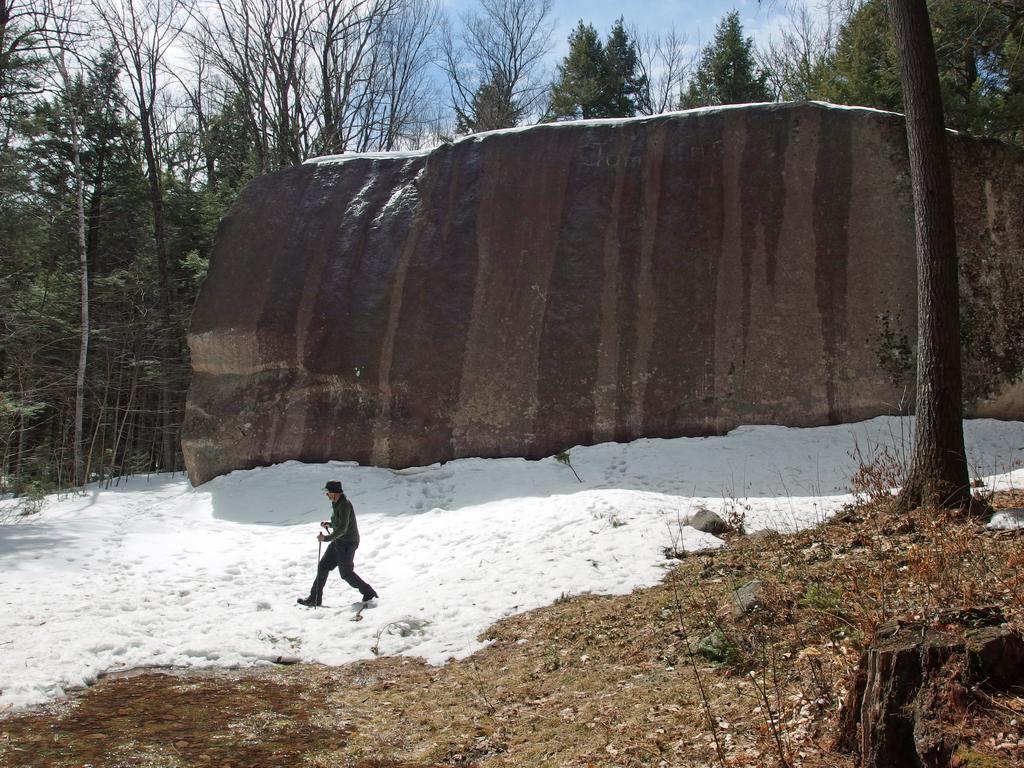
(333, 486)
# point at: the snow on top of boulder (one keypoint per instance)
(596, 122)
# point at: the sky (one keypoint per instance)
(153, 572)
(696, 20)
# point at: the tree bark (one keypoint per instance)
(938, 469)
(92, 242)
(169, 331)
(916, 680)
(63, 39)
(83, 281)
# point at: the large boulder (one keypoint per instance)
(518, 293)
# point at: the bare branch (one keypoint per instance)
(503, 43)
(664, 65)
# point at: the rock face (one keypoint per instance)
(518, 293)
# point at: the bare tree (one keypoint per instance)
(337, 76)
(144, 33)
(64, 39)
(406, 82)
(286, 24)
(795, 59)
(262, 47)
(938, 471)
(500, 44)
(373, 57)
(143, 36)
(347, 58)
(196, 87)
(256, 49)
(664, 66)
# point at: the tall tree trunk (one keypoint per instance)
(100, 428)
(157, 204)
(938, 470)
(92, 241)
(58, 53)
(166, 426)
(83, 282)
(22, 429)
(121, 450)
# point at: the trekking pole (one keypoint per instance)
(319, 547)
(319, 551)
(323, 527)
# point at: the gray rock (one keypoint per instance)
(707, 521)
(763, 534)
(516, 294)
(746, 597)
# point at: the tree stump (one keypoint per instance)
(915, 679)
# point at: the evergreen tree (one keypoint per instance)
(598, 79)
(626, 84)
(39, 295)
(978, 54)
(42, 342)
(727, 73)
(864, 70)
(580, 91)
(21, 62)
(492, 107)
(800, 58)
(495, 61)
(232, 148)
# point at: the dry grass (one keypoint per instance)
(589, 681)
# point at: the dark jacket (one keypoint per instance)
(343, 522)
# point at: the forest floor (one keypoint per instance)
(591, 680)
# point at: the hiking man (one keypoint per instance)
(343, 538)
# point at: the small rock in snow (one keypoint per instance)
(707, 521)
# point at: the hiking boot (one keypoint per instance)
(309, 602)
(370, 596)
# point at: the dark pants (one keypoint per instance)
(340, 555)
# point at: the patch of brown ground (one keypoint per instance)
(589, 681)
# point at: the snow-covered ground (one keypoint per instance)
(154, 572)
